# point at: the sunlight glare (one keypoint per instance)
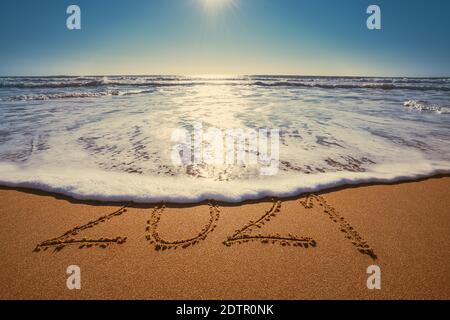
(213, 6)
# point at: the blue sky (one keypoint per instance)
(320, 37)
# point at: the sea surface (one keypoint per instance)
(110, 138)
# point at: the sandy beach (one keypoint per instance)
(193, 153)
(308, 247)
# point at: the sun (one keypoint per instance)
(214, 6)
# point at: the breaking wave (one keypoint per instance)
(73, 95)
(425, 84)
(110, 138)
(426, 107)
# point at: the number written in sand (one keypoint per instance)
(67, 239)
(350, 233)
(244, 235)
(161, 244)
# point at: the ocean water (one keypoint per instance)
(109, 138)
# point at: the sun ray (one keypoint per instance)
(215, 6)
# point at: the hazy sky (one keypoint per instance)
(315, 37)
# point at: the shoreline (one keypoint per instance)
(62, 196)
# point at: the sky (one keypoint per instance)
(192, 37)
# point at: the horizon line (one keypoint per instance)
(223, 75)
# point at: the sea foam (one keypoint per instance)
(110, 138)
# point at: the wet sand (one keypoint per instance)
(307, 247)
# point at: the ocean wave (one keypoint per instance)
(261, 81)
(382, 86)
(72, 95)
(99, 83)
(121, 148)
(83, 184)
(52, 84)
(426, 107)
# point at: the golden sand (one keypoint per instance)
(308, 247)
